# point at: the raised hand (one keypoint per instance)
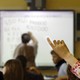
(30, 33)
(62, 50)
(59, 47)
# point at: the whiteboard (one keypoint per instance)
(55, 24)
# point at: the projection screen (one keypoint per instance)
(55, 24)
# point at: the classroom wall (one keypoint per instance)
(67, 4)
(13, 4)
(63, 4)
(77, 49)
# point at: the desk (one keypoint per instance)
(49, 72)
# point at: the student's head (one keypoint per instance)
(55, 57)
(25, 38)
(13, 70)
(71, 76)
(23, 60)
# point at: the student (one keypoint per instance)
(13, 70)
(31, 73)
(62, 50)
(27, 49)
(60, 64)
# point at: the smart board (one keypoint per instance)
(55, 24)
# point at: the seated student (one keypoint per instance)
(70, 76)
(60, 64)
(13, 70)
(62, 50)
(31, 73)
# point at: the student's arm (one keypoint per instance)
(34, 40)
(62, 78)
(34, 43)
(62, 50)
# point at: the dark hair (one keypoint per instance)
(1, 76)
(52, 52)
(25, 38)
(22, 59)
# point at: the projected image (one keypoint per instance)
(55, 24)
